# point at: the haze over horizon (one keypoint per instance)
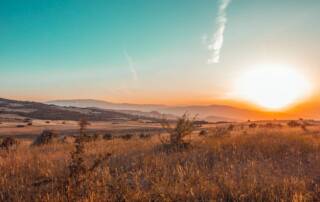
(156, 52)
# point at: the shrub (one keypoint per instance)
(252, 125)
(108, 136)
(20, 126)
(46, 137)
(79, 172)
(183, 128)
(231, 127)
(203, 133)
(9, 143)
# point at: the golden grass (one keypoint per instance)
(244, 165)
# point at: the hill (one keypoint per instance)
(35, 110)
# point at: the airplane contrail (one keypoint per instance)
(131, 65)
(218, 37)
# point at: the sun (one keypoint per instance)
(273, 87)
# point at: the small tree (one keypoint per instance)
(184, 127)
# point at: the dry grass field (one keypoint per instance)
(11, 128)
(239, 162)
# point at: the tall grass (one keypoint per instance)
(257, 164)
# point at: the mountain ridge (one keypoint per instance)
(213, 111)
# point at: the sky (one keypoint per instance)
(149, 51)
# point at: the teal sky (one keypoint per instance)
(147, 50)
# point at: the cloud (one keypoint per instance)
(131, 65)
(217, 41)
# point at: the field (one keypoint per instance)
(250, 161)
(21, 130)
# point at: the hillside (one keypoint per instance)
(24, 109)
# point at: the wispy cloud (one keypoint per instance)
(218, 37)
(131, 65)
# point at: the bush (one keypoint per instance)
(108, 136)
(20, 126)
(46, 137)
(184, 127)
(9, 143)
(252, 125)
(231, 127)
(203, 133)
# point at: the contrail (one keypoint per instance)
(217, 40)
(131, 65)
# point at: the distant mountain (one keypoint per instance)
(96, 110)
(35, 110)
(209, 112)
(106, 105)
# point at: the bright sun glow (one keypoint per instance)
(273, 87)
